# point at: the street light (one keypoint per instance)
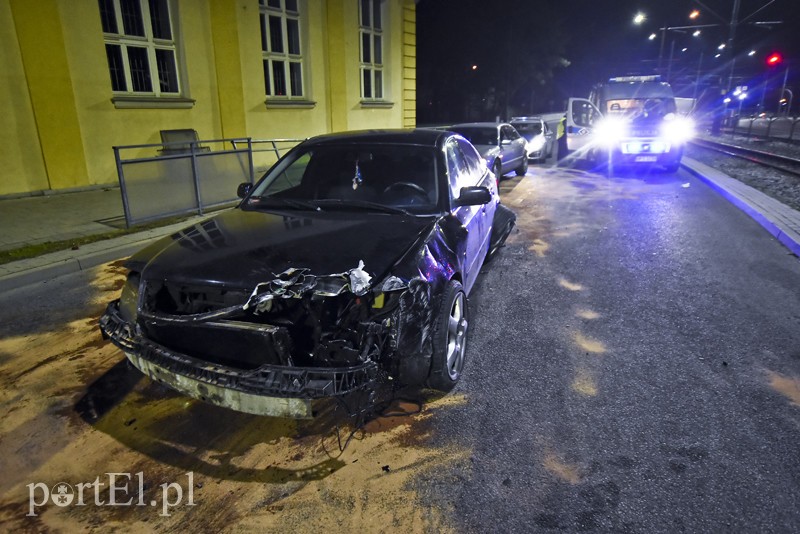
(742, 96)
(639, 18)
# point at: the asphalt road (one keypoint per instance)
(633, 365)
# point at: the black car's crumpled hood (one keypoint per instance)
(240, 249)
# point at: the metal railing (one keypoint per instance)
(181, 177)
(268, 151)
(781, 128)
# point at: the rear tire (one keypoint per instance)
(449, 338)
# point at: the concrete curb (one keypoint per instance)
(72, 265)
(781, 221)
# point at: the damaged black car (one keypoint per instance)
(348, 264)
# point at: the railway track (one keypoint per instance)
(774, 161)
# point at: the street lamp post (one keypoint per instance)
(731, 36)
(697, 81)
(783, 90)
(788, 102)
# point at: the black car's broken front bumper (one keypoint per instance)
(273, 390)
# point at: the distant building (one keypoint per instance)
(81, 76)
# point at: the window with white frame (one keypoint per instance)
(140, 47)
(281, 48)
(371, 24)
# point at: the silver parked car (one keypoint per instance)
(538, 136)
(500, 145)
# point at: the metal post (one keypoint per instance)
(196, 179)
(671, 56)
(783, 88)
(697, 81)
(769, 126)
(789, 102)
(731, 37)
(122, 189)
(661, 49)
(250, 159)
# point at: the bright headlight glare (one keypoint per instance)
(610, 130)
(679, 130)
(535, 144)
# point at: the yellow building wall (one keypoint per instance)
(103, 124)
(61, 123)
(287, 122)
(356, 115)
(52, 95)
(22, 168)
(409, 64)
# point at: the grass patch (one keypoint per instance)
(39, 249)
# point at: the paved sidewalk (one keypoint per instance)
(58, 217)
(61, 217)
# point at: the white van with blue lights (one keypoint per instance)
(629, 120)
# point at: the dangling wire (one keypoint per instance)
(368, 409)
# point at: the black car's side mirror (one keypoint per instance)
(473, 196)
(244, 189)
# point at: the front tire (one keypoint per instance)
(449, 338)
(523, 166)
(498, 171)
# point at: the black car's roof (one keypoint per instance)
(419, 136)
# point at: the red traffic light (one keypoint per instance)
(774, 59)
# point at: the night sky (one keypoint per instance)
(479, 59)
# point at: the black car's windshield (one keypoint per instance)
(640, 107)
(527, 129)
(381, 178)
(478, 136)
